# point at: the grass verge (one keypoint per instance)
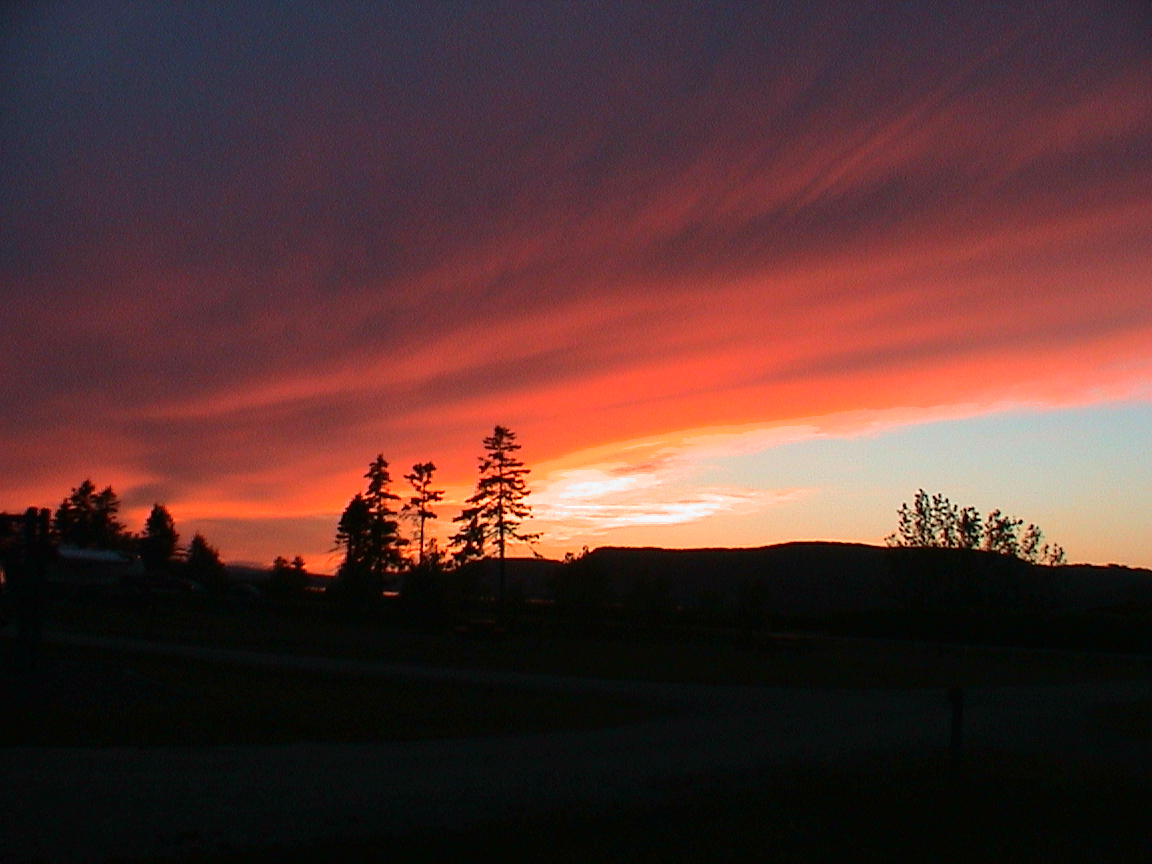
(86, 697)
(701, 658)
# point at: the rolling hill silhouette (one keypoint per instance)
(820, 578)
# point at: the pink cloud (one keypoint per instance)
(236, 284)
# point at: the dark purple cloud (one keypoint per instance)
(266, 238)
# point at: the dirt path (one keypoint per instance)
(89, 804)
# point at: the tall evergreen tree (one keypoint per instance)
(159, 541)
(419, 506)
(385, 540)
(369, 534)
(353, 535)
(87, 518)
(204, 564)
(497, 508)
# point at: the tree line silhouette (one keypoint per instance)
(368, 533)
(89, 519)
(379, 553)
(373, 545)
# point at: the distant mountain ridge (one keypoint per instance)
(819, 577)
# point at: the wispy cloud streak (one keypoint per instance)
(245, 253)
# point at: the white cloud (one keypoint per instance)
(595, 499)
(653, 481)
(566, 519)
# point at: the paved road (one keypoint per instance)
(88, 804)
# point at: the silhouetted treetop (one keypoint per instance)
(369, 535)
(158, 543)
(204, 565)
(468, 543)
(288, 579)
(497, 508)
(87, 518)
(935, 522)
(353, 535)
(419, 506)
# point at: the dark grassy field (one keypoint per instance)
(1118, 629)
(101, 698)
(700, 655)
(987, 807)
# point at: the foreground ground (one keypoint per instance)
(377, 759)
(989, 806)
(94, 691)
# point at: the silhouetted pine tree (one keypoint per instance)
(470, 541)
(385, 541)
(158, 543)
(369, 534)
(353, 535)
(87, 518)
(498, 506)
(419, 506)
(204, 565)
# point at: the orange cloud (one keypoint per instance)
(271, 262)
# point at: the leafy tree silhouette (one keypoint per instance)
(158, 543)
(935, 522)
(87, 518)
(204, 565)
(419, 506)
(1000, 534)
(1034, 549)
(969, 528)
(497, 508)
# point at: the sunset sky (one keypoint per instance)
(735, 274)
